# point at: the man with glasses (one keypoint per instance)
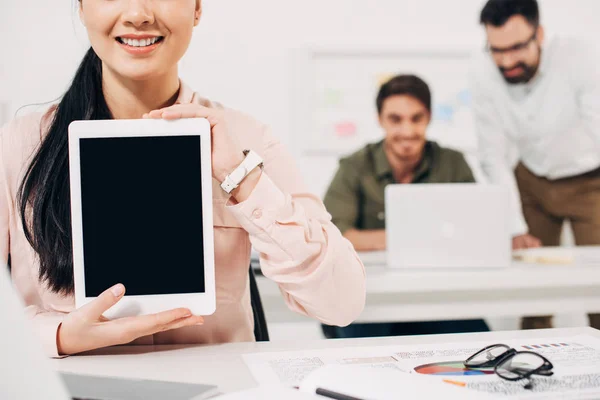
(540, 99)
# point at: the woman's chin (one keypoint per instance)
(139, 74)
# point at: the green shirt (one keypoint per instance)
(356, 196)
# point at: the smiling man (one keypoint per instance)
(541, 98)
(356, 196)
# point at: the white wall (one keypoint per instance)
(240, 54)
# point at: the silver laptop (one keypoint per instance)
(447, 226)
(83, 387)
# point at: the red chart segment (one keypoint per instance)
(451, 368)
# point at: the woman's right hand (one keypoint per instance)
(86, 329)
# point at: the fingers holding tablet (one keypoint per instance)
(87, 329)
(93, 310)
(226, 151)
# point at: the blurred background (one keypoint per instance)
(310, 68)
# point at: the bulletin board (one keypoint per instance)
(335, 93)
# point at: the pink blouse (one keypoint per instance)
(317, 270)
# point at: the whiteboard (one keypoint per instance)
(335, 93)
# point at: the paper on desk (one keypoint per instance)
(579, 256)
(290, 368)
(363, 382)
(545, 255)
(576, 366)
(576, 363)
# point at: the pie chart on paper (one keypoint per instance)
(451, 368)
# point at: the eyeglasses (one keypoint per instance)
(510, 364)
(519, 47)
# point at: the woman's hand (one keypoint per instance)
(226, 152)
(86, 329)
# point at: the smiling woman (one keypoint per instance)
(115, 26)
(131, 72)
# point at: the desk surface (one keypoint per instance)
(222, 365)
(583, 271)
(521, 289)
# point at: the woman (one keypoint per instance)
(131, 72)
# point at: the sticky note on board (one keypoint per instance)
(465, 97)
(332, 97)
(443, 112)
(345, 129)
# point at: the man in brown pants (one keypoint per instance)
(542, 99)
(548, 203)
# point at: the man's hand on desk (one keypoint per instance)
(373, 240)
(525, 241)
(86, 329)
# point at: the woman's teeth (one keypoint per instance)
(139, 43)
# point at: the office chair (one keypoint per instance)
(261, 333)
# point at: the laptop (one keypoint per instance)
(448, 226)
(83, 387)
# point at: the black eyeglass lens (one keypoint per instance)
(487, 355)
(519, 365)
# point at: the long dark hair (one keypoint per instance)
(44, 194)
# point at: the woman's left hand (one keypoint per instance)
(226, 152)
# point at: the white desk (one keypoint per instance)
(222, 365)
(419, 295)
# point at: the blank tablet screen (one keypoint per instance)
(142, 214)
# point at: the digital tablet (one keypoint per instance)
(141, 207)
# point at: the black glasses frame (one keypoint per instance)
(544, 370)
(516, 47)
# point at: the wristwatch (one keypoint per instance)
(233, 180)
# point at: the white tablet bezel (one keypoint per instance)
(198, 303)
